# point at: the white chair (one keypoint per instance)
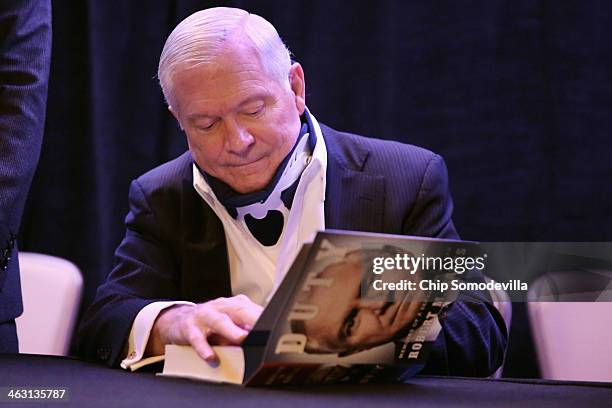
(572, 337)
(51, 289)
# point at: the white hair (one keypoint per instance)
(200, 38)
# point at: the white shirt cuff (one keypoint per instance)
(139, 335)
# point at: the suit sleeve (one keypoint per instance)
(431, 215)
(144, 273)
(25, 54)
(473, 338)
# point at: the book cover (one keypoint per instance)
(353, 308)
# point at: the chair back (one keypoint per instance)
(572, 338)
(51, 289)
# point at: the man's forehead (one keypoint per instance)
(207, 75)
(205, 110)
(199, 91)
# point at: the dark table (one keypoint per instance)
(92, 385)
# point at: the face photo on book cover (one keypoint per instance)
(351, 316)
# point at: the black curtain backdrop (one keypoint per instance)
(516, 95)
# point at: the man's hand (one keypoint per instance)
(220, 321)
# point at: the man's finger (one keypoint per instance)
(222, 325)
(241, 309)
(198, 341)
(245, 317)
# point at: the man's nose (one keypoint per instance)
(238, 139)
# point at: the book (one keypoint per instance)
(351, 309)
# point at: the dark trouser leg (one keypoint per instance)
(8, 337)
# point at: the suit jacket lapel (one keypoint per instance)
(205, 269)
(354, 200)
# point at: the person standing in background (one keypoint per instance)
(25, 56)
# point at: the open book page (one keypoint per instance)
(183, 361)
(145, 362)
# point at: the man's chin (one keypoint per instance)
(243, 185)
(250, 179)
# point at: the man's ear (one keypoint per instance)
(176, 116)
(298, 86)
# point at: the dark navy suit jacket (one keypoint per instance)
(175, 249)
(25, 54)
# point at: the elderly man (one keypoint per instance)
(211, 233)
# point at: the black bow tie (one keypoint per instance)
(268, 229)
